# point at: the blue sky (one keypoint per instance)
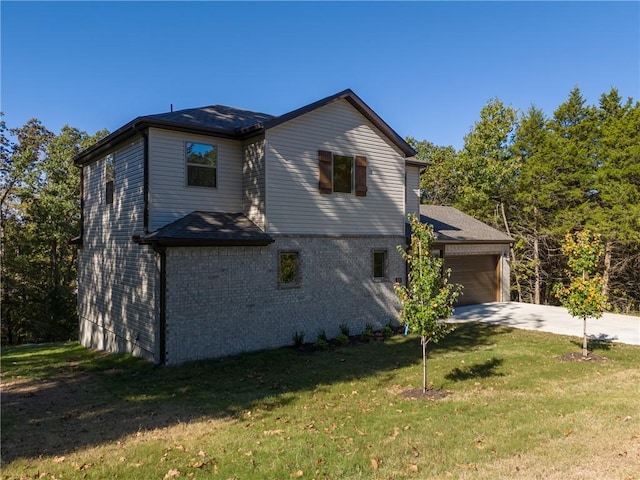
(426, 68)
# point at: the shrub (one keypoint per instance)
(367, 335)
(342, 339)
(387, 331)
(344, 329)
(321, 342)
(298, 339)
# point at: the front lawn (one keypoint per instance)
(515, 410)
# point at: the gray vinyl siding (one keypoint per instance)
(253, 181)
(294, 204)
(169, 196)
(413, 190)
(116, 277)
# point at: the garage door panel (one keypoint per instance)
(478, 274)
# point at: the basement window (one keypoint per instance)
(288, 269)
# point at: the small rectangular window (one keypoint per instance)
(288, 269)
(109, 178)
(202, 163)
(342, 173)
(379, 264)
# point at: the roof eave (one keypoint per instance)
(414, 162)
(438, 241)
(140, 123)
(203, 242)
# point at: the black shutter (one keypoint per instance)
(324, 171)
(361, 176)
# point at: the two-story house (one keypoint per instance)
(214, 230)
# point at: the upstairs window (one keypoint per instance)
(109, 178)
(202, 163)
(342, 173)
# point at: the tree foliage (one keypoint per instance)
(584, 297)
(427, 301)
(537, 177)
(40, 211)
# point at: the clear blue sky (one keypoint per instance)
(426, 68)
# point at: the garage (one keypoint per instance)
(479, 274)
(477, 254)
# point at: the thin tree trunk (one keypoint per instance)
(608, 246)
(536, 269)
(584, 328)
(585, 352)
(511, 250)
(424, 364)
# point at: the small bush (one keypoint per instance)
(344, 329)
(342, 339)
(367, 335)
(321, 343)
(298, 339)
(388, 331)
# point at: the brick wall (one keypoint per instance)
(226, 300)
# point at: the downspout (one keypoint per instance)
(145, 182)
(162, 253)
(81, 205)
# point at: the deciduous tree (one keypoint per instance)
(427, 300)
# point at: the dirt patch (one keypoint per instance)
(578, 357)
(420, 394)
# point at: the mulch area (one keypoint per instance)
(420, 394)
(577, 357)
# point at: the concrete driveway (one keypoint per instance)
(545, 318)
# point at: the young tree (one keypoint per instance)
(427, 300)
(584, 297)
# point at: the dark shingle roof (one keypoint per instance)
(452, 225)
(217, 117)
(229, 122)
(209, 229)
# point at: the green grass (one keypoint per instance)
(514, 410)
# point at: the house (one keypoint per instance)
(211, 231)
(477, 254)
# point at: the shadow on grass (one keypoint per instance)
(596, 342)
(480, 370)
(60, 398)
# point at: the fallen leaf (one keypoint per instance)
(374, 463)
(173, 473)
(58, 459)
(202, 453)
(412, 466)
(296, 474)
(273, 432)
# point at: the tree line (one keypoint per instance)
(39, 215)
(532, 176)
(537, 178)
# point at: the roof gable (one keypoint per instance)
(229, 122)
